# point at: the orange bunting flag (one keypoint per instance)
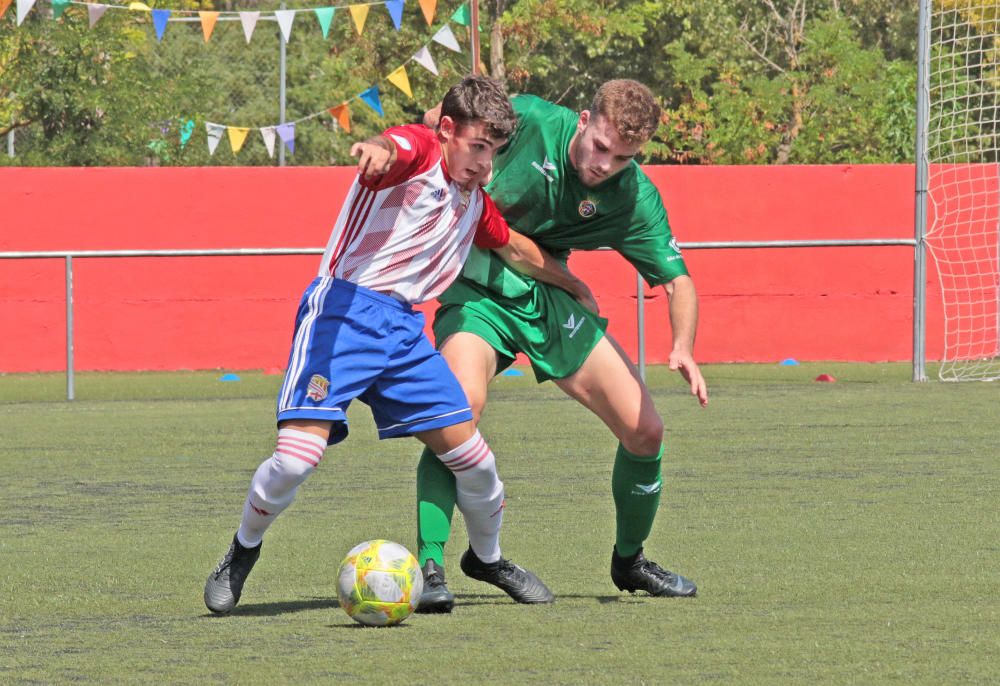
(208, 20)
(343, 116)
(428, 7)
(4, 4)
(359, 13)
(237, 137)
(399, 79)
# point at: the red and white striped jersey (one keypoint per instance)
(407, 232)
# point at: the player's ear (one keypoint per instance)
(447, 128)
(582, 122)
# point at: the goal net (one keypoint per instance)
(963, 156)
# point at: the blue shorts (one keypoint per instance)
(351, 342)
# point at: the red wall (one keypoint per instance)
(237, 312)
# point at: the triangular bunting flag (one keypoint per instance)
(395, 8)
(23, 7)
(445, 37)
(424, 59)
(58, 7)
(95, 12)
(461, 16)
(237, 137)
(343, 116)
(267, 133)
(249, 22)
(187, 128)
(324, 15)
(428, 7)
(160, 18)
(399, 79)
(138, 7)
(286, 132)
(359, 13)
(370, 98)
(208, 20)
(285, 19)
(4, 4)
(214, 132)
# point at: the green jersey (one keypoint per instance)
(540, 195)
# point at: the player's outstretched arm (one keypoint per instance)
(683, 300)
(375, 156)
(530, 259)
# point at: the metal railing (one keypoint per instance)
(69, 255)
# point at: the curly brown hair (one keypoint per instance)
(480, 99)
(630, 107)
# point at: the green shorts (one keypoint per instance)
(547, 324)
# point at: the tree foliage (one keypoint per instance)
(741, 81)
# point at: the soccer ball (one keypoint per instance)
(379, 583)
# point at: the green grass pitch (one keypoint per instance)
(843, 533)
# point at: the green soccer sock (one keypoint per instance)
(636, 485)
(435, 507)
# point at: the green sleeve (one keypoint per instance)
(649, 245)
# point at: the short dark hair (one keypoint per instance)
(480, 99)
(630, 107)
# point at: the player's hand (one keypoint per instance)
(373, 160)
(585, 297)
(685, 364)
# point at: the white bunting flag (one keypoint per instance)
(425, 60)
(249, 21)
(285, 19)
(267, 133)
(215, 132)
(23, 7)
(445, 37)
(95, 12)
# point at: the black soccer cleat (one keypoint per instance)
(436, 598)
(512, 579)
(225, 584)
(639, 574)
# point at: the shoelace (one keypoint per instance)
(656, 570)
(226, 561)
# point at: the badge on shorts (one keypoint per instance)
(587, 209)
(319, 387)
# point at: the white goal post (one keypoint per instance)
(960, 157)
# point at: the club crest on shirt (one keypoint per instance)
(587, 209)
(318, 389)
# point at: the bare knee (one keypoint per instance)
(646, 438)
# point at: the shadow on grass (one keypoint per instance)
(482, 599)
(272, 609)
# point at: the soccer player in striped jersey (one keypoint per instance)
(570, 181)
(410, 219)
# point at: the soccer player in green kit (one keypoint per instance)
(571, 182)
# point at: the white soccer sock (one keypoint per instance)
(479, 495)
(277, 478)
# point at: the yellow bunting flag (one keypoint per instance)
(343, 116)
(399, 79)
(237, 137)
(359, 13)
(139, 7)
(4, 4)
(208, 20)
(429, 7)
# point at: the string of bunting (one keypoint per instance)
(285, 132)
(248, 19)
